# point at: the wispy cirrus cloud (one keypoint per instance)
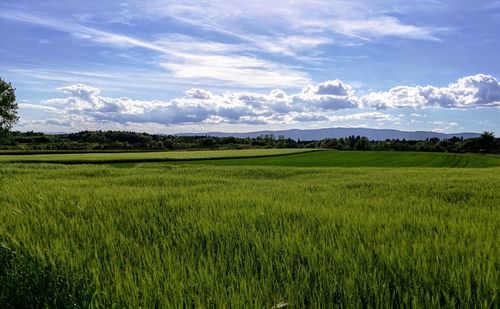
(241, 70)
(83, 32)
(256, 45)
(232, 54)
(191, 61)
(364, 20)
(383, 26)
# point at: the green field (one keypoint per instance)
(317, 229)
(334, 158)
(117, 157)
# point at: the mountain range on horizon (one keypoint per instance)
(318, 134)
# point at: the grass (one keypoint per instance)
(270, 157)
(187, 235)
(130, 157)
(368, 159)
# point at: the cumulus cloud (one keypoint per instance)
(307, 117)
(314, 103)
(330, 95)
(198, 93)
(81, 90)
(468, 92)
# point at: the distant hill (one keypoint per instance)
(318, 134)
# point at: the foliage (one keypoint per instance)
(162, 235)
(8, 106)
(120, 140)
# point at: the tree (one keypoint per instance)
(487, 141)
(363, 143)
(8, 106)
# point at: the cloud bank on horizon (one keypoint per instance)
(247, 64)
(316, 102)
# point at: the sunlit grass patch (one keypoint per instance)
(169, 235)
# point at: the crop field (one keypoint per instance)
(333, 158)
(316, 229)
(117, 157)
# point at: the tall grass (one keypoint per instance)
(162, 235)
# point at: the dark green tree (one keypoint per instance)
(362, 143)
(487, 142)
(8, 106)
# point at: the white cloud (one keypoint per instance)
(383, 26)
(190, 61)
(307, 18)
(377, 116)
(81, 91)
(251, 34)
(314, 103)
(83, 32)
(330, 95)
(240, 70)
(199, 94)
(468, 92)
(57, 122)
(307, 117)
(37, 107)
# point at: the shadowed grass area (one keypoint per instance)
(368, 159)
(27, 280)
(164, 235)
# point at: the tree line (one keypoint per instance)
(133, 141)
(123, 140)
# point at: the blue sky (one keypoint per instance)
(182, 66)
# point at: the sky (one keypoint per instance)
(168, 66)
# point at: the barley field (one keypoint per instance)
(319, 229)
(158, 156)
